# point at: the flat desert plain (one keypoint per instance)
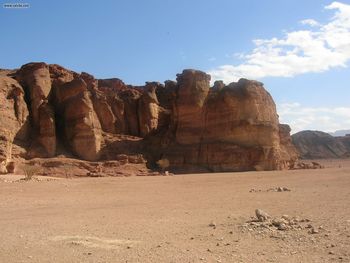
(181, 218)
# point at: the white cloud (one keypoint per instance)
(310, 22)
(325, 119)
(298, 52)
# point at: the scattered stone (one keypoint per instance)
(261, 215)
(279, 189)
(304, 165)
(212, 224)
(278, 222)
(254, 190)
(276, 189)
(285, 217)
(313, 231)
(264, 224)
(282, 227)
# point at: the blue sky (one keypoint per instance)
(299, 49)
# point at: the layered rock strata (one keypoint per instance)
(193, 126)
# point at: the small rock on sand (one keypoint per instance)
(212, 224)
(261, 215)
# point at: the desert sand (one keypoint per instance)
(180, 218)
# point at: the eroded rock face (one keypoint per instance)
(81, 126)
(35, 78)
(130, 99)
(288, 151)
(193, 88)
(14, 123)
(108, 106)
(230, 128)
(186, 123)
(148, 110)
(242, 113)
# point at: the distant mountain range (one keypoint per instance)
(340, 133)
(321, 145)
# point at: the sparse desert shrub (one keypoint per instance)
(29, 171)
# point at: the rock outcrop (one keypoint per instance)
(148, 110)
(230, 128)
(321, 145)
(185, 123)
(78, 120)
(14, 122)
(36, 81)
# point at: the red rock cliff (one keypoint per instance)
(231, 127)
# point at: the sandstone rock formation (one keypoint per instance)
(231, 128)
(78, 119)
(321, 145)
(148, 110)
(186, 122)
(35, 79)
(14, 124)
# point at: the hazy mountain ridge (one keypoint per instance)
(340, 133)
(321, 145)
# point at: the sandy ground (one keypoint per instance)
(182, 218)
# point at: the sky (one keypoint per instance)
(299, 49)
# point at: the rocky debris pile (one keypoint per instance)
(305, 165)
(70, 168)
(263, 223)
(276, 189)
(48, 111)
